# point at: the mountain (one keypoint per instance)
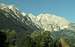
(11, 17)
(44, 21)
(49, 21)
(24, 24)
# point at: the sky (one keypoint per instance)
(64, 8)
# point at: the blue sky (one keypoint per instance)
(65, 8)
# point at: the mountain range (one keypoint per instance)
(43, 21)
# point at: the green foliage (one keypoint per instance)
(2, 39)
(10, 35)
(49, 39)
(42, 38)
(37, 39)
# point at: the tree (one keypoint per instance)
(2, 39)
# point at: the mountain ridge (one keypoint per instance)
(43, 20)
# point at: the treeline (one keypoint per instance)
(62, 38)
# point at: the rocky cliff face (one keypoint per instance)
(49, 21)
(11, 17)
